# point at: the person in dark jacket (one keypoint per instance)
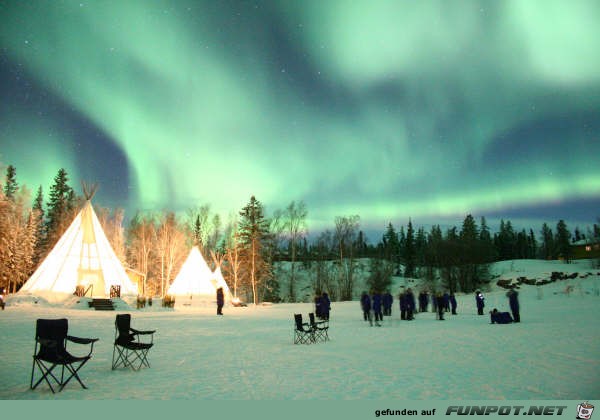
(318, 302)
(480, 301)
(440, 306)
(403, 305)
(220, 301)
(452, 299)
(500, 317)
(513, 300)
(365, 304)
(376, 299)
(446, 300)
(433, 301)
(423, 301)
(410, 305)
(388, 301)
(325, 306)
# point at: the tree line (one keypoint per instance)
(250, 247)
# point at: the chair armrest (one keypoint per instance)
(142, 332)
(80, 340)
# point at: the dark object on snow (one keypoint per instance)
(440, 306)
(500, 317)
(303, 332)
(325, 307)
(365, 304)
(479, 300)
(388, 301)
(377, 307)
(410, 304)
(513, 300)
(220, 301)
(129, 350)
(51, 351)
(320, 328)
(453, 305)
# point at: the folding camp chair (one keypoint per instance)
(320, 328)
(303, 333)
(50, 351)
(129, 350)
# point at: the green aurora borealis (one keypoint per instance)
(386, 109)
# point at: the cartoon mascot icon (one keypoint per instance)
(584, 411)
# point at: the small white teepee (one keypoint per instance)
(193, 282)
(82, 257)
(220, 282)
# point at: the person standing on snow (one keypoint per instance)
(325, 306)
(479, 300)
(453, 303)
(377, 308)
(365, 304)
(388, 301)
(440, 306)
(513, 301)
(220, 301)
(410, 305)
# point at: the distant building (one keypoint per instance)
(586, 248)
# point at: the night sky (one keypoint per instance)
(385, 109)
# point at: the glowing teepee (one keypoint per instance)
(193, 283)
(82, 257)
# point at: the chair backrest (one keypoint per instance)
(53, 333)
(311, 316)
(298, 319)
(123, 325)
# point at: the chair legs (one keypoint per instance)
(133, 358)
(48, 372)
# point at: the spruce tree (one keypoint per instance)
(61, 203)
(253, 229)
(563, 241)
(391, 245)
(547, 251)
(11, 186)
(409, 251)
(40, 237)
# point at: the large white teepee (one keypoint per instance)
(82, 257)
(193, 283)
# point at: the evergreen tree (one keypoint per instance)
(391, 245)
(563, 241)
(409, 256)
(547, 250)
(380, 278)
(486, 242)
(40, 236)
(253, 230)
(11, 186)
(59, 208)
(470, 257)
(522, 247)
(532, 244)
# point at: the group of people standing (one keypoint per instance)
(377, 305)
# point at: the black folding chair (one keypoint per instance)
(129, 349)
(303, 333)
(50, 351)
(320, 328)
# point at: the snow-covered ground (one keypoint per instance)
(554, 353)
